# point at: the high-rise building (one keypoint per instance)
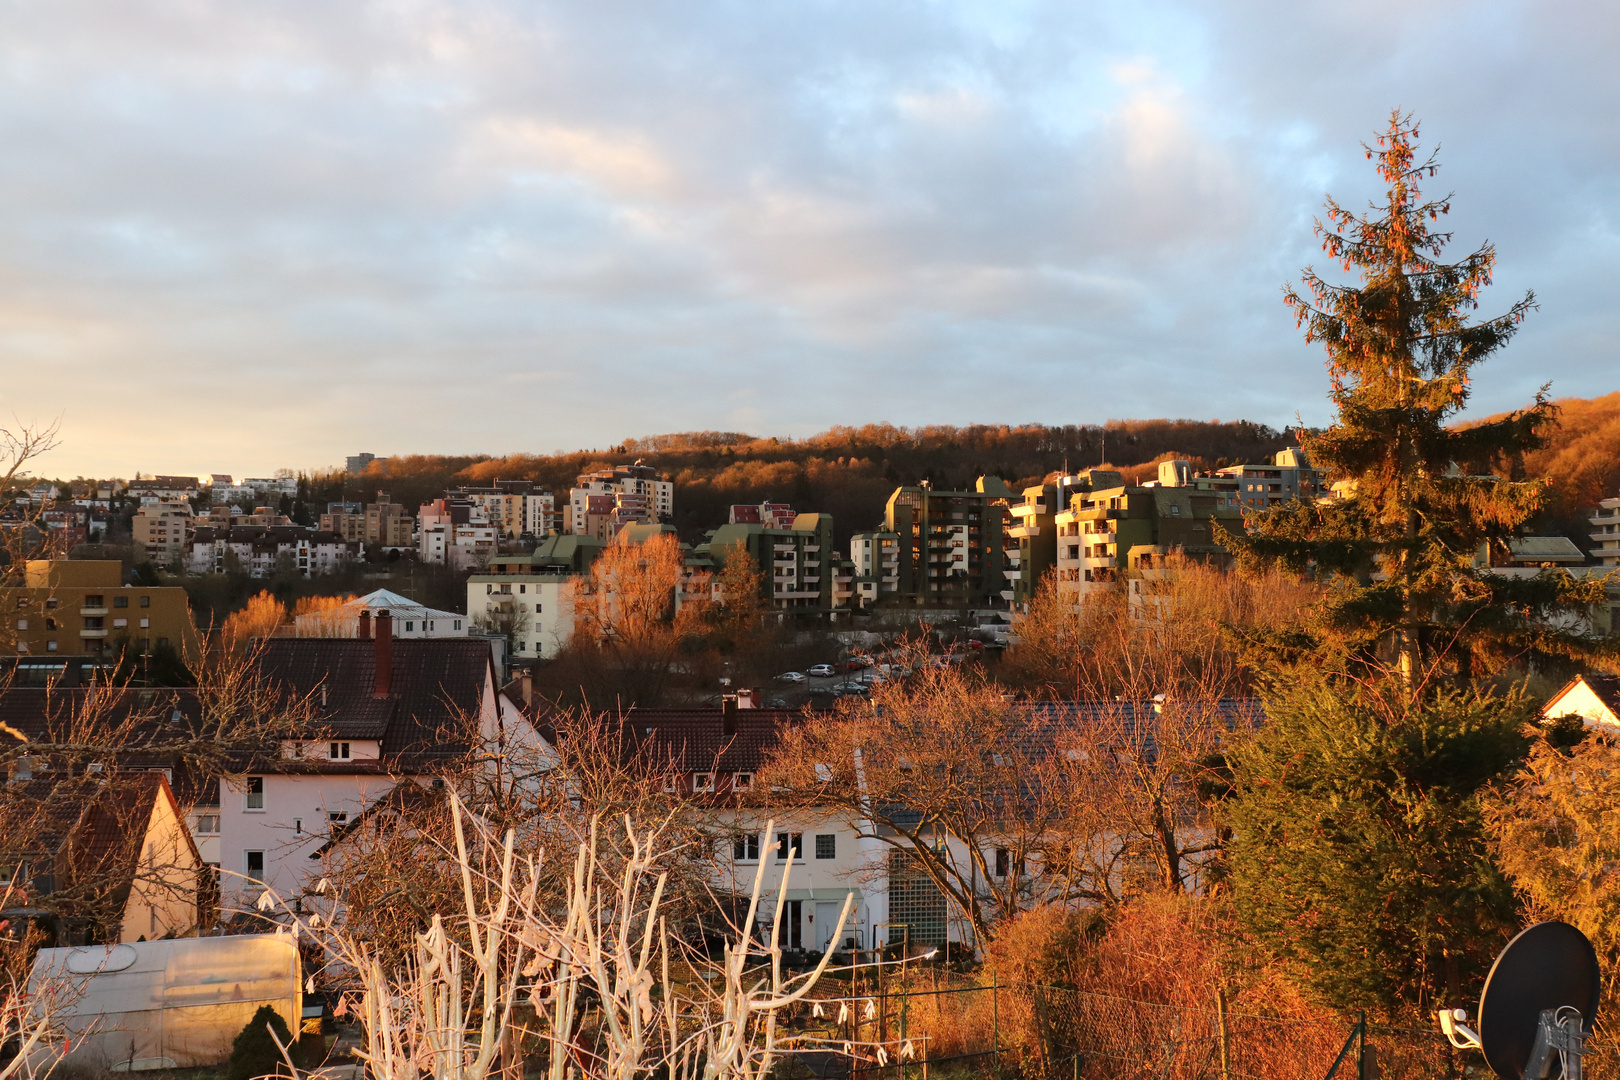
(951, 546)
(796, 564)
(1605, 533)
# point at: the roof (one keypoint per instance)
(1545, 549)
(397, 605)
(1595, 698)
(435, 684)
(695, 740)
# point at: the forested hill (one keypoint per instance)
(848, 472)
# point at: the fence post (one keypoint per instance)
(1361, 1047)
(1225, 1032)
(995, 1022)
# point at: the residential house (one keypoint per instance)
(262, 551)
(385, 710)
(409, 618)
(151, 489)
(531, 606)
(106, 852)
(1593, 698)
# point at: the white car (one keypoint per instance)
(791, 676)
(823, 671)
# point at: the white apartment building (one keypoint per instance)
(876, 556)
(513, 513)
(1605, 533)
(535, 611)
(455, 533)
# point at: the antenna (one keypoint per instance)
(1540, 999)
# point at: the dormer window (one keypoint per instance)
(338, 751)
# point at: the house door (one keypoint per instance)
(826, 923)
(793, 932)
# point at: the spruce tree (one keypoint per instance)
(1420, 500)
(1358, 851)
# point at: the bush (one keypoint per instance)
(254, 1054)
(1045, 945)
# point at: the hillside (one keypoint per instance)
(848, 472)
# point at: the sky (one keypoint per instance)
(238, 236)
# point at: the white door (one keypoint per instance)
(826, 923)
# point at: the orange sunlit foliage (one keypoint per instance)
(261, 618)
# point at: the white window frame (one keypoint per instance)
(250, 794)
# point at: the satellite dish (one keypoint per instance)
(1539, 1003)
(1550, 966)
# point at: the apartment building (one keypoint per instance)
(1034, 529)
(265, 550)
(453, 532)
(83, 607)
(162, 529)
(384, 523)
(532, 606)
(1111, 530)
(150, 489)
(874, 566)
(1289, 476)
(796, 564)
(951, 545)
(1605, 533)
(622, 494)
(515, 507)
(769, 514)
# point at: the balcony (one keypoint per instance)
(93, 611)
(1098, 561)
(88, 633)
(1023, 532)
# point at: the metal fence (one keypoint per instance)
(926, 1026)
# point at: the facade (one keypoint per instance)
(1593, 698)
(1035, 530)
(796, 564)
(951, 545)
(1289, 476)
(771, 515)
(162, 529)
(389, 711)
(1109, 531)
(262, 551)
(149, 489)
(874, 566)
(1605, 533)
(384, 523)
(602, 502)
(533, 609)
(82, 607)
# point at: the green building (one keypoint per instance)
(952, 547)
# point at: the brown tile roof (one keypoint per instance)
(695, 740)
(435, 682)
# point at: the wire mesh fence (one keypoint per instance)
(934, 1024)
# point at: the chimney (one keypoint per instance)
(365, 625)
(747, 699)
(728, 714)
(385, 655)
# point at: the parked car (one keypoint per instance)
(823, 671)
(791, 676)
(856, 664)
(851, 688)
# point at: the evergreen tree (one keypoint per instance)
(1419, 501)
(254, 1053)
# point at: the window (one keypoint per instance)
(50, 646)
(146, 601)
(50, 624)
(458, 624)
(92, 600)
(208, 824)
(826, 845)
(409, 626)
(745, 848)
(338, 751)
(742, 781)
(50, 603)
(255, 865)
(789, 846)
(703, 781)
(22, 624)
(146, 624)
(162, 641)
(298, 826)
(121, 601)
(523, 588)
(337, 817)
(255, 793)
(1003, 860)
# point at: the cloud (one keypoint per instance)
(237, 237)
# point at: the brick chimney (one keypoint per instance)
(728, 714)
(748, 699)
(385, 655)
(365, 626)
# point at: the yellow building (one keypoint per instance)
(81, 607)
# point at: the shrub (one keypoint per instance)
(254, 1054)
